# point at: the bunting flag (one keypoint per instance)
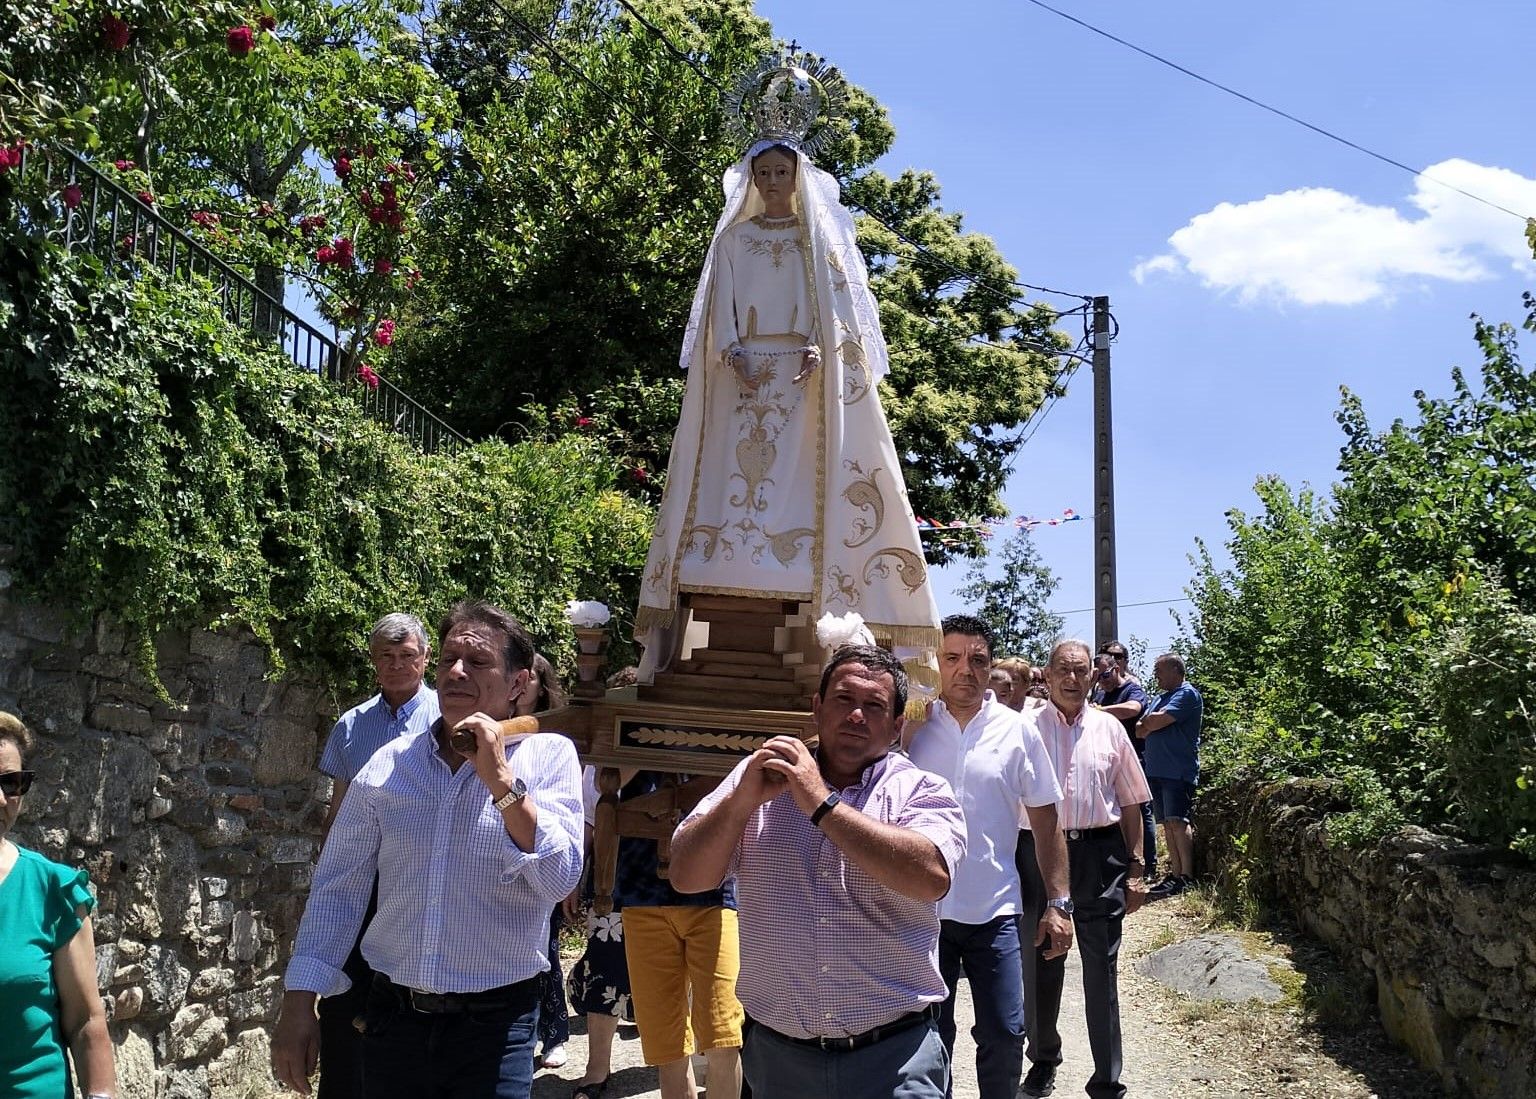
(987, 527)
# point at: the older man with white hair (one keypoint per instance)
(1102, 789)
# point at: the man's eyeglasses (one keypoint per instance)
(1117, 656)
(15, 783)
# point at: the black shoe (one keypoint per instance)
(1171, 886)
(1039, 1081)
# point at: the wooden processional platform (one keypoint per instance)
(750, 676)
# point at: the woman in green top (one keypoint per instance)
(48, 994)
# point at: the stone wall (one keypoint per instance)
(1445, 931)
(198, 819)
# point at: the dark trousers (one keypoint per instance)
(1097, 865)
(410, 1054)
(554, 1014)
(1148, 841)
(341, 1038)
(910, 1064)
(990, 954)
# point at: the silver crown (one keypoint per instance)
(792, 98)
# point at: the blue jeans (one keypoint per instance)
(471, 1055)
(990, 954)
(910, 1064)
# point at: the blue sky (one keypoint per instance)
(1254, 266)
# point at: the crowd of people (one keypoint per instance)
(821, 906)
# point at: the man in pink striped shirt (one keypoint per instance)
(840, 858)
(1102, 788)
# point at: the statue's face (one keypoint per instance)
(773, 174)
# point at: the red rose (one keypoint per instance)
(383, 267)
(267, 22)
(343, 166)
(366, 375)
(240, 40)
(146, 198)
(123, 165)
(384, 335)
(8, 159)
(205, 218)
(583, 421)
(640, 476)
(115, 32)
(71, 196)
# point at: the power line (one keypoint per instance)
(1329, 134)
(1124, 606)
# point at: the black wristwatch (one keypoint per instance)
(832, 802)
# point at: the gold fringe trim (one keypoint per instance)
(917, 637)
(654, 618)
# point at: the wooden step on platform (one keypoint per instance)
(736, 671)
(724, 691)
(737, 604)
(716, 655)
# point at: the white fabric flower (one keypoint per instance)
(587, 613)
(833, 631)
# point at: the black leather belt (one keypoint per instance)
(1091, 833)
(522, 993)
(868, 1038)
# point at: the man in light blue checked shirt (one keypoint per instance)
(471, 852)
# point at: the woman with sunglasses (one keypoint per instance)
(48, 961)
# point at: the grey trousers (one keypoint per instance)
(1097, 866)
(910, 1064)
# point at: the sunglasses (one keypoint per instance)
(15, 783)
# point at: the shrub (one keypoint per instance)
(161, 466)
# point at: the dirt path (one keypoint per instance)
(1322, 1043)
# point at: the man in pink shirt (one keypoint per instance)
(1102, 788)
(840, 857)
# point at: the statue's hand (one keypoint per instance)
(810, 357)
(740, 362)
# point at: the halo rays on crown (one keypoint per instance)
(792, 97)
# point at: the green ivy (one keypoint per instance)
(170, 470)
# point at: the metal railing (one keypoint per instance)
(112, 223)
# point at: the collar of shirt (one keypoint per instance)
(408, 707)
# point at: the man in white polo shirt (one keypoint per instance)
(1002, 776)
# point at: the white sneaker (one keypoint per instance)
(554, 1057)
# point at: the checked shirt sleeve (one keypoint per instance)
(338, 898)
(547, 764)
(932, 812)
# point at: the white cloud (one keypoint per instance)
(1318, 246)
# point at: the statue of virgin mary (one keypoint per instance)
(783, 481)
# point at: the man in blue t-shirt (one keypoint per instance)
(1171, 729)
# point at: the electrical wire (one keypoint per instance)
(1329, 134)
(1126, 606)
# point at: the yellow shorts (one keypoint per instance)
(683, 962)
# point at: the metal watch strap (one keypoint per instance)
(517, 793)
(1063, 904)
(832, 801)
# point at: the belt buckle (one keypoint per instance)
(1074, 833)
(835, 1045)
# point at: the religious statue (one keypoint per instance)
(783, 481)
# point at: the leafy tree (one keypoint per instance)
(1014, 603)
(566, 245)
(1385, 636)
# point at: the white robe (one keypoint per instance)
(789, 491)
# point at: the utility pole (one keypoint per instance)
(1106, 617)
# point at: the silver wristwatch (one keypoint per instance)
(1063, 903)
(516, 794)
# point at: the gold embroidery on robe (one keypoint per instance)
(865, 495)
(909, 568)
